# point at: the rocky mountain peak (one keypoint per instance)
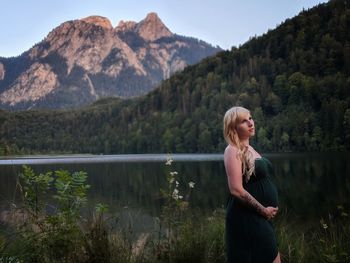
(152, 28)
(99, 21)
(125, 26)
(153, 17)
(85, 59)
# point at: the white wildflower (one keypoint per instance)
(177, 183)
(175, 194)
(191, 184)
(169, 161)
(173, 173)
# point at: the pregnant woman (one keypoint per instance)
(253, 197)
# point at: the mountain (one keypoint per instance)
(84, 60)
(294, 79)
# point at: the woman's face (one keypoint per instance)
(245, 126)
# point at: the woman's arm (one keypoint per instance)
(233, 167)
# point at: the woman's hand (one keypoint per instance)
(270, 212)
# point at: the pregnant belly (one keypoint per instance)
(264, 191)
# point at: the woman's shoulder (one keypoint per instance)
(231, 149)
(231, 157)
(231, 152)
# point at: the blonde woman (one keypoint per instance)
(253, 197)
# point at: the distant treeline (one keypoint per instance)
(295, 79)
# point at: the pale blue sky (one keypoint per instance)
(225, 23)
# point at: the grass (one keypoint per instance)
(326, 240)
(198, 239)
(180, 235)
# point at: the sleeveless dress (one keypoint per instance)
(249, 236)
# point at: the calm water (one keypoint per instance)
(309, 185)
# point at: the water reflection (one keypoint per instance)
(313, 184)
(310, 185)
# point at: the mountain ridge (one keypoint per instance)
(85, 59)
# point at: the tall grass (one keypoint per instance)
(181, 234)
(324, 240)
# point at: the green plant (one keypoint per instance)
(293, 240)
(325, 241)
(51, 232)
(97, 242)
(200, 239)
(33, 187)
(173, 212)
(333, 238)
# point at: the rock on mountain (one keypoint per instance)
(83, 60)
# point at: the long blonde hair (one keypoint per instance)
(231, 119)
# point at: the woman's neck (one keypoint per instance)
(245, 142)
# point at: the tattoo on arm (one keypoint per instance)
(250, 201)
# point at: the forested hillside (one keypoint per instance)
(295, 79)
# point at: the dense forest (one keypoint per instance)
(295, 79)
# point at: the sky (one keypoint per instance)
(225, 23)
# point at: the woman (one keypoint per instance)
(253, 198)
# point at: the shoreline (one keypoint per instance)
(93, 158)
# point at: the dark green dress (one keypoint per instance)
(249, 236)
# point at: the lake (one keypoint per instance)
(309, 184)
